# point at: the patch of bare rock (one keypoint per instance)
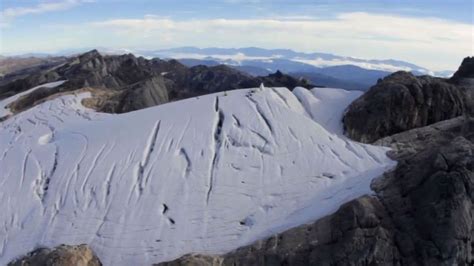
(63, 255)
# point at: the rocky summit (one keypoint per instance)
(465, 74)
(403, 101)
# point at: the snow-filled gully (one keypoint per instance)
(203, 175)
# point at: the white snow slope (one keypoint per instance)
(205, 175)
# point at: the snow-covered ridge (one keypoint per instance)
(5, 111)
(204, 175)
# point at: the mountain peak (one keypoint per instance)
(89, 55)
(465, 73)
(402, 77)
(278, 74)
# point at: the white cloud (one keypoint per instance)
(9, 14)
(431, 42)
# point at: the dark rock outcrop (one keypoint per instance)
(429, 199)
(139, 82)
(422, 213)
(465, 74)
(278, 79)
(63, 255)
(403, 101)
(144, 94)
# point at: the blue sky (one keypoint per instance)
(432, 33)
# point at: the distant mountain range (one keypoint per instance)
(239, 55)
(319, 68)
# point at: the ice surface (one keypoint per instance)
(205, 175)
(326, 106)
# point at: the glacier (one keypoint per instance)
(204, 175)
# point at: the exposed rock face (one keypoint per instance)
(63, 255)
(139, 82)
(401, 102)
(429, 198)
(144, 94)
(429, 195)
(422, 213)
